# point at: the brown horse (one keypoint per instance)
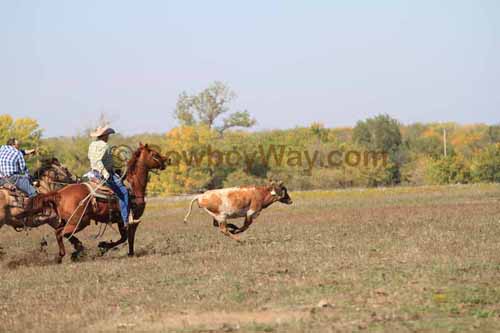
(17, 213)
(75, 212)
(52, 176)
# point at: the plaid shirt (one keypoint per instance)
(12, 162)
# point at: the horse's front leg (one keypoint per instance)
(132, 228)
(60, 242)
(123, 238)
(58, 226)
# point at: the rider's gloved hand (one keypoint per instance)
(106, 174)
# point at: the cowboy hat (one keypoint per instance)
(100, 131)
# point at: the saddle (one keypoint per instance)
(16, 197)
(100, 192)
(103, 192)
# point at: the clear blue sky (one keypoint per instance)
(290, 62)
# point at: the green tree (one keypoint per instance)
(382, 133)
(486, 165)
(378, 133)
(207, 107)
(422, 140)
(493, 134)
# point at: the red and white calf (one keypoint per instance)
(234, 202)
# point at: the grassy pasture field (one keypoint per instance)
(402, 259)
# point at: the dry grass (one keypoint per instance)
(404, 259)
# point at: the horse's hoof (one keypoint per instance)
(103, 245)
(77, 254)
(130, 255)
(102, 251)
(58, 260)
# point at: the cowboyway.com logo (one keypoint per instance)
(277, 155)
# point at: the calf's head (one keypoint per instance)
(280, 192)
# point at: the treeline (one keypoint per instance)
(377, 152)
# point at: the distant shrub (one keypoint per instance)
(240, 177)
(448, 170)
(486, 165)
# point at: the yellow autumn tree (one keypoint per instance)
(26, 130)
(189, 171)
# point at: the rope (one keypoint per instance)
(99, 233)
(92, 192)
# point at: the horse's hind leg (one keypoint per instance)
(123, 238)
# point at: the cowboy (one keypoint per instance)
(13, 167)
(101, 163)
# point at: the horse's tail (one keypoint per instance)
(190, 208)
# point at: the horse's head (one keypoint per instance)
(150, 157)
(54, 174)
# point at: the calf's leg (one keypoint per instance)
(225, 231)
(231, 226)
(246, 225)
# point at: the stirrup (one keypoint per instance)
(131, 220)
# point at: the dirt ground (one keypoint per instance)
(421, 259)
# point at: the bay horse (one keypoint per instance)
(75, 213)
(49, 176)
(52, 176)
(40, 211)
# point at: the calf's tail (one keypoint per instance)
(190, 208)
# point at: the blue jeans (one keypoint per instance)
(23, 183)
(115, 183)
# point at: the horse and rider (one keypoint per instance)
(13, 169)
(20, 204)
(103, 198)
(101, 164)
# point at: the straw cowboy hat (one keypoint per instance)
(100, 131)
